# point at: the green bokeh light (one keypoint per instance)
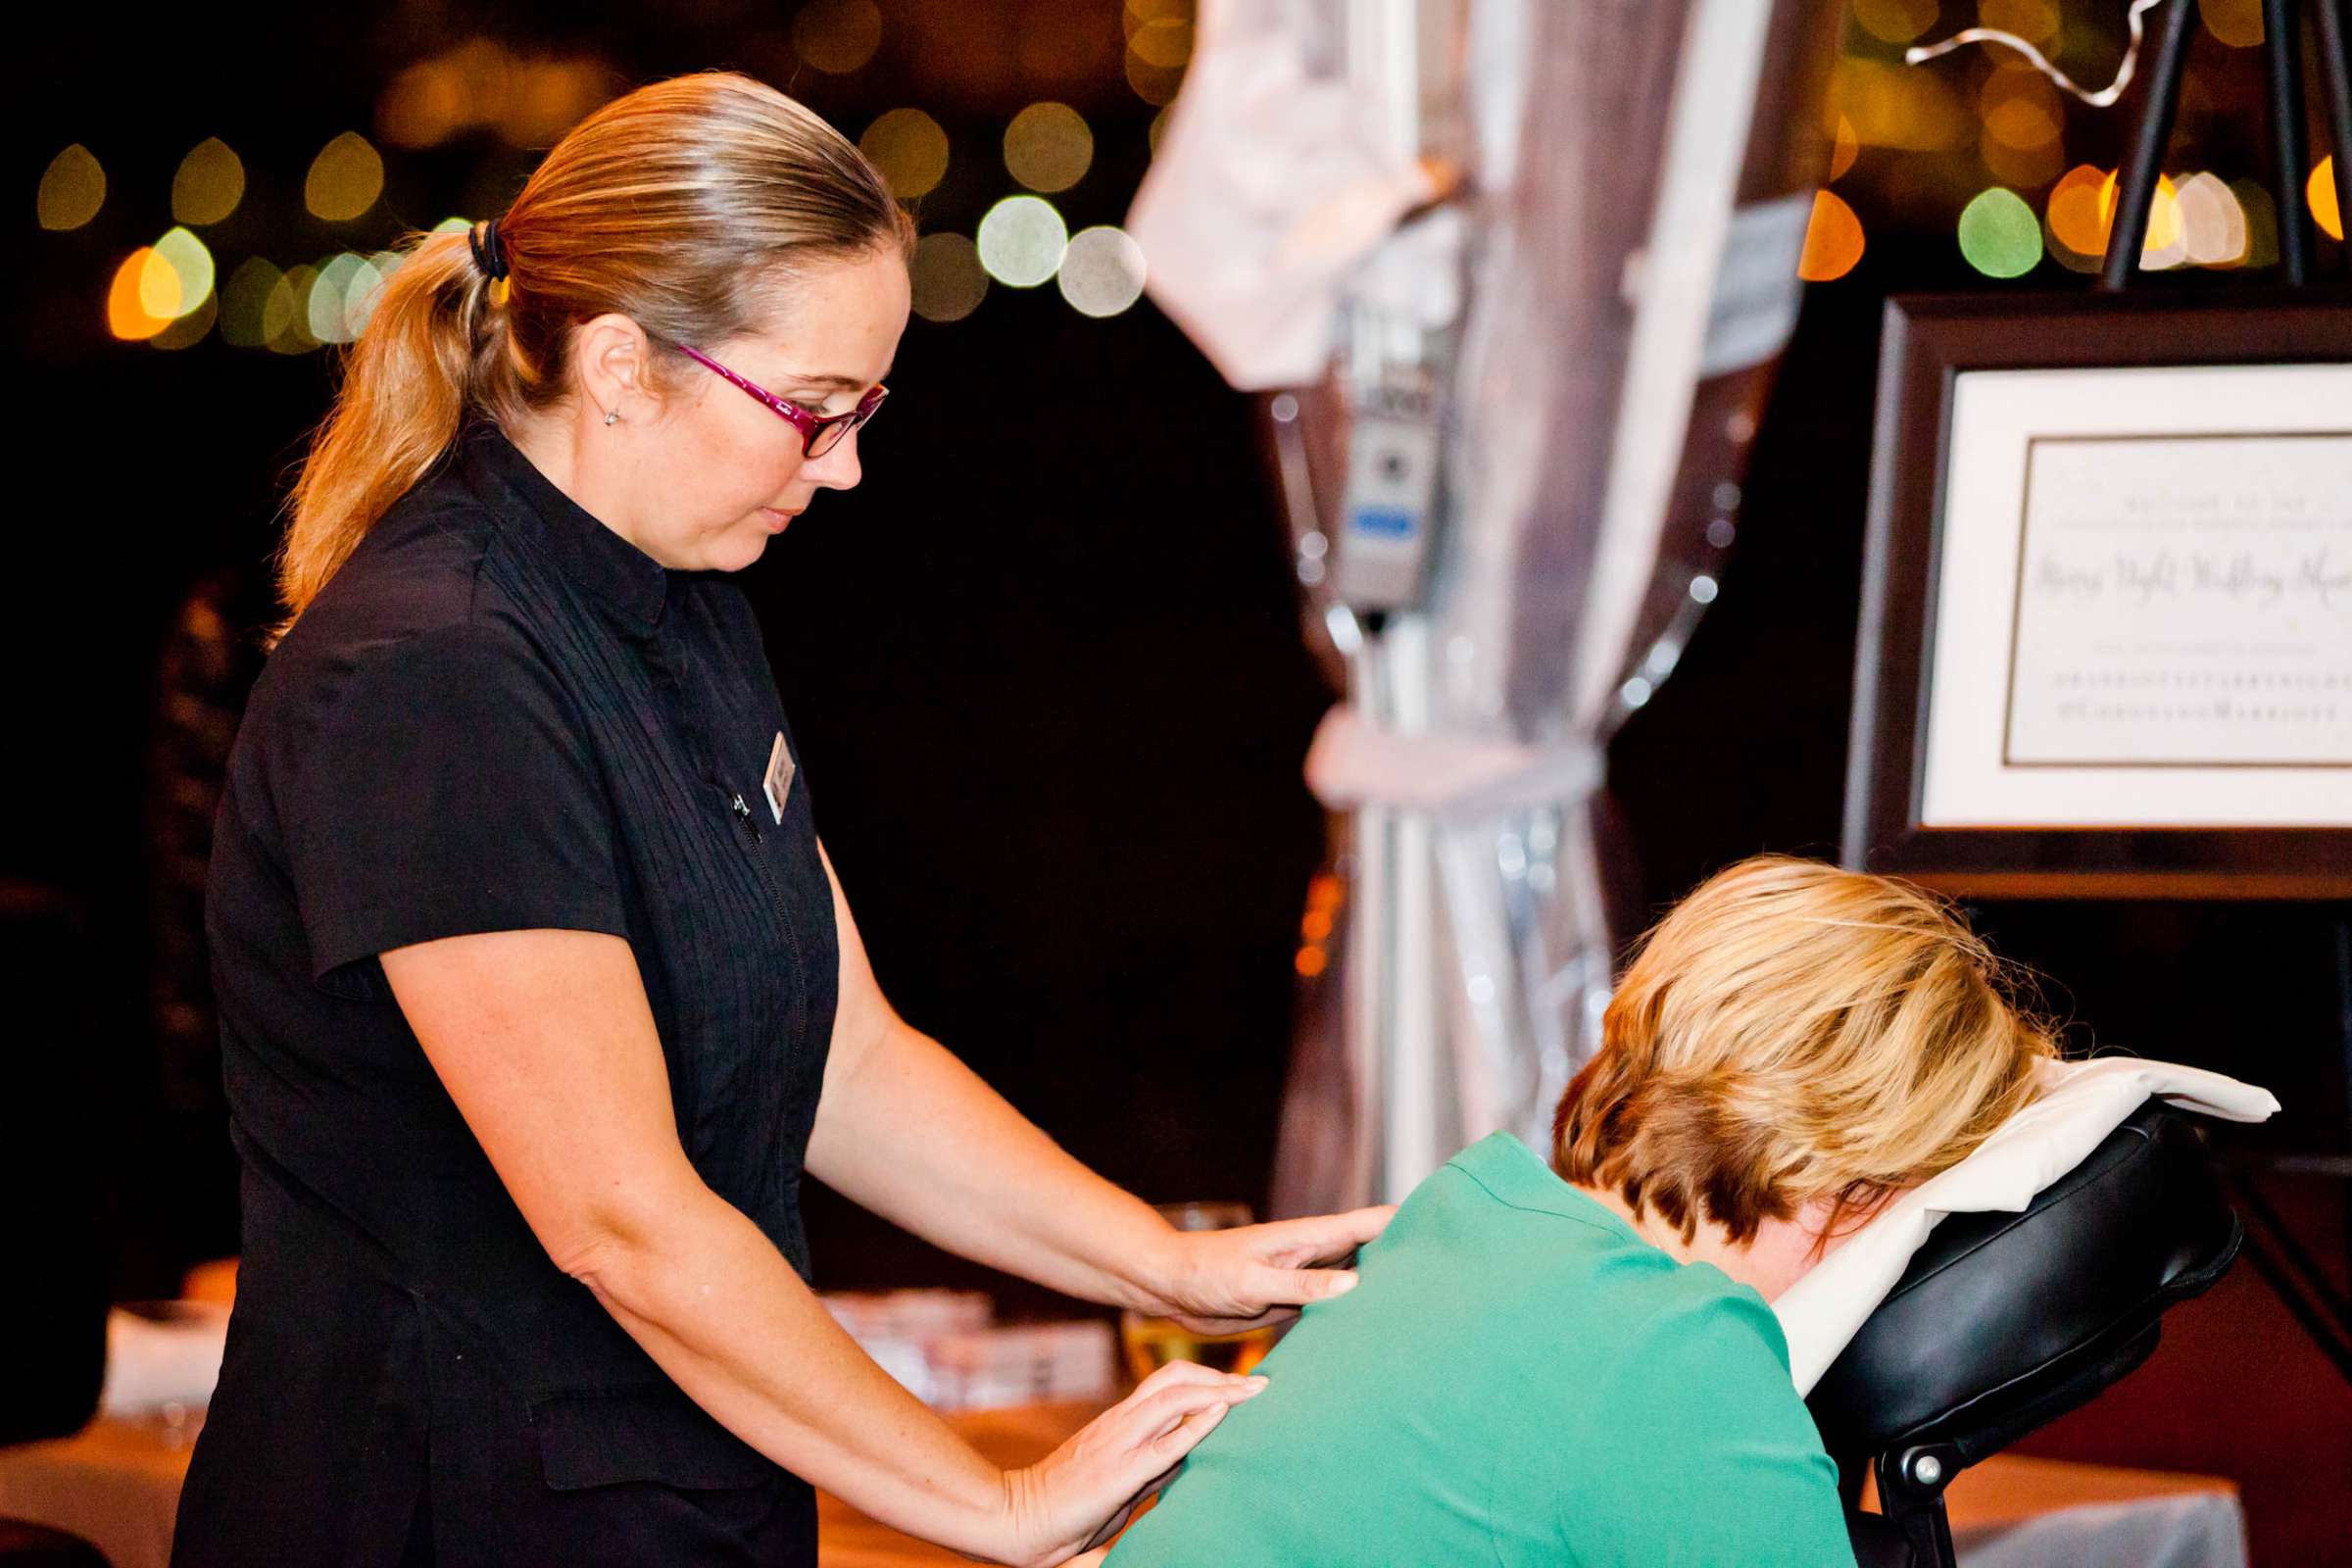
(2000, 234)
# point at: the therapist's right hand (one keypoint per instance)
(1084, 1491)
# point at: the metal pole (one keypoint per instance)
(2282, 62)
(2336, 81)
(2137, 197)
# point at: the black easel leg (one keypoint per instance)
(2343, 1003)
(2335, 80)
(2282, 70)
(2137, 197)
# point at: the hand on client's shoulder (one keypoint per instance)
(1225, 1282)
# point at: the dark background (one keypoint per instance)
(1044, 663)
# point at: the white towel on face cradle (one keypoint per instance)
(2076, 1106)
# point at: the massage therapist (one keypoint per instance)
(538, 996)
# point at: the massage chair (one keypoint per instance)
(2005, 1321)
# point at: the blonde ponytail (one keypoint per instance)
(405, 391)
(687, 206)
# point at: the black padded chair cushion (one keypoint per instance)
(2005, 1321)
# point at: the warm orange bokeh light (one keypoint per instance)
(2078, 222)
(1844, 149)
(2035, 21)
(2162, 215)
(2324, 209)
(144, 297)
(1833, 240)
(1895, 21)
(2020, 109)
(2236, 22)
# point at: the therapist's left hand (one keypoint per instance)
(1223, 1282)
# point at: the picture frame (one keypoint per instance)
(2105, 647)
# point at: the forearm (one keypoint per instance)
(914, 1136)
(714, 1305)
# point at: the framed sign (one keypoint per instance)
(2106, 639)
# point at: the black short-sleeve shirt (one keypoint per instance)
(498, 716)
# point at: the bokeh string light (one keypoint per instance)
(910, 148)
(2000, 234)
(2213, 226)
(2261, 221)
(530, 101)
(2238, 23)
(1159, 45)
(2024, 125)
(1896, 21)
(2319, 191)
(73, 188)
(2199, 219)
(1833, 241)
(288, 312)
(1049, 147)
(2015, 118)
(948, 280)
(1101, 272)
(160, 287)
(2036, 21)
(2165, 245)
(245, 300)
(345, 178)
(332, 310)
(1900, 108)
(1021, 241)
(1844, 148)
(837, 36)
(2078, 215)
(143, 296)
(191, 267)
(209, 184)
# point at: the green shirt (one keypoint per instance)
(1518, 1379)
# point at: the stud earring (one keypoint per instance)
(612, 417)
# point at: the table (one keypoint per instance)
(1017, 1435)
(117, 1484)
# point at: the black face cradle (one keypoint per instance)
(2003, 1322)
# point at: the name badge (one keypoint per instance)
(777, 786)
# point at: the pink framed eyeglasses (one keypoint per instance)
(820, 433)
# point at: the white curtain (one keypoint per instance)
(1600, 307)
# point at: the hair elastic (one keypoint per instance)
(482, 240)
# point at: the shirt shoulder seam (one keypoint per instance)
(1484, 1186)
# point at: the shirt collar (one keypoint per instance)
(1516, 1175)
(625, 581)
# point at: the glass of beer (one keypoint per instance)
(1152, 1343)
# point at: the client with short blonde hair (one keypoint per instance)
(1792, 1035)
(1574, 1362)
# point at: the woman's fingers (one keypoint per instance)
(1301, 1287)
(1323, 1238)
(1181, 1439)
(1149, 1419)
(1176, 1372)
(1166, 1451)
(1081, 1492)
